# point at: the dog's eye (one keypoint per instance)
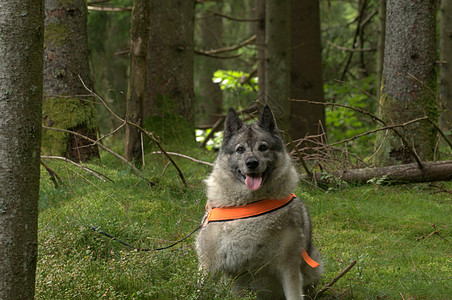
(263, 148)
(240, 149)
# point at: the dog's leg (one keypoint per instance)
(292, 283)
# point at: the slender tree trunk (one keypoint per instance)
(21, 67)
(137, 80)
(446, 63)
(409, 77)
(65, 59)
(306, 69)
(169, 89)
(277, 59)
(260, 43)
(381, 42)
(209, 95)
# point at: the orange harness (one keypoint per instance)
(258, 208)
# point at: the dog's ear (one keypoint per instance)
(232, 124)
(267, 121)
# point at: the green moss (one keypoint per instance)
(420, 134)
(171, 129)
(55, 34)
(64, 113)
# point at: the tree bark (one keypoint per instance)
(306, 69)
(260, 45)
(209, 94)
(381, 42)
(407, 173)
(21, 86)
(446, 63)
(409, 77)
(65, 59)
(169, 89)
(277, 60)
(137, 81)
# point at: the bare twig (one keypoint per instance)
(432, 233)
(350, 49)
(402, 138)
(234, 18)
(231, 48)
(185, 156)
(330, 284)
(110, 9)
(147, 133)
(53, 175)
(199, 52)
(138, 172)
(89, 170)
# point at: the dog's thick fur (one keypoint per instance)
(263, 252)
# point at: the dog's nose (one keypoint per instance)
(252, 163)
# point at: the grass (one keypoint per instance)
(375, 225)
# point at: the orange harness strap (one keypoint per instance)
(229, 213)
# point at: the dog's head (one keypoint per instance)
(252, 150)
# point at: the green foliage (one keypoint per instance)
(237, 86)
(235, 80)
(214, 143)
(343, 123)
(373, 224)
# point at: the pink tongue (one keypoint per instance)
(253, 182)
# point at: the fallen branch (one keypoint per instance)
(408, 173)
(330, 284)
(432, 233)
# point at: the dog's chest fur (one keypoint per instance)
(251, 244)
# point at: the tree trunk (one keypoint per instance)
(277, 60)
(408, 173)
(209, 95)
(260, 44)
(409, 78)
(137, 80)
(306, 69)
(65, 59)
(446, 63)
(21, 67)
(381, 42)
(169, 95)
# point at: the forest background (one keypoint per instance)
(134, 98)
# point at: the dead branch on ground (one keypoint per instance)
(335, 279)
(436, 231)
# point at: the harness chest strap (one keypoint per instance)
(230, 213)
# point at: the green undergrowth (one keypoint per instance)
(378, 226)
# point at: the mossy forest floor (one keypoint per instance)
(378, 226)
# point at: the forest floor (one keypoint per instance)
(388, 230)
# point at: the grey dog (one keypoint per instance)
(262, 252)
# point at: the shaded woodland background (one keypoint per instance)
(172, 67)
(361, 90)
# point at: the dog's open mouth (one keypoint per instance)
(253, 181)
